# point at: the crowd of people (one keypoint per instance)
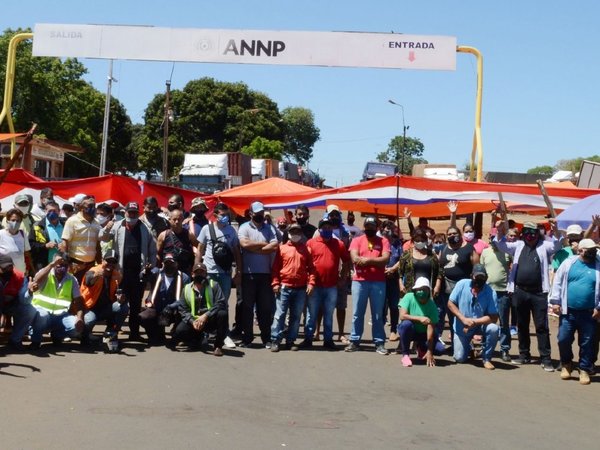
(170, 271)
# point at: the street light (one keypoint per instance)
(251, 111)
(404, 128)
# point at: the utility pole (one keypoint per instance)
(167, 117)
(106, 120)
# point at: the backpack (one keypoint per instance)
(221, 252)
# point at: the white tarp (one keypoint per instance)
(206, 165)
(259, 167)
(305, 48)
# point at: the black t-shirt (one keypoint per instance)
(132, 250)
(422, 268)
(457, 263)
(104, 297)
(529, 269)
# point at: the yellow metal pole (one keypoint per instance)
(11, 63)
(477, 145)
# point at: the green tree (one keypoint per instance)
(53, 94)
(301, 133)
(264, 148)
(574, 165)
(410, 152)
(542, 170)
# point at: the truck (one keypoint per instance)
(213, 172)
(376, 169)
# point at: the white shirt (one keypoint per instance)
(15, 246)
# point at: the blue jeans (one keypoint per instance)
(374, 292)
(504, 304)
(23, 315)
(441, 301)
(294, 300)
(582, 322)
(59, 325)
(224, 281)
(114, 315)
(325, 298)
(462, 342)
(406, 330)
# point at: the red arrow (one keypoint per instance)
(411, 56)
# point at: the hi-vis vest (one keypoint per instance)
(53, 300)
(190, 296)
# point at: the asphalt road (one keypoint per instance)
(255, 399)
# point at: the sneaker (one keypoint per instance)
(522, 359)
(268, 346)
(352, 347)
(228, 343)
(584, 377)
(488, 365)
(505, 356)
(381, 350)
(274, 347)
(245, 344)
(394, 337)
(547, 366)
(330, 345)
(514, 331)
(566, 370)
(406, 361)
(305, 344)
(291, 346)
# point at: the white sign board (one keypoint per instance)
(306, 48)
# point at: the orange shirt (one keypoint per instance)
(293, 266)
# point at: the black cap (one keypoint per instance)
(110, 255)
(479, 269)
(5, 261)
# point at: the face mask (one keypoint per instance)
(438, 247)
(173, 207)
(335, 221)
(590, 254)
(90, 211)
(477, 283)
(199, 216)
(453, 240)
(370, 233)
(102, 219)
(301, 221)
(23, 209)
(258, 218)
(45, 201)
(529, 237)
(151, 214)
(60, 271)
(326, 234)
(420, 245)
(295, 237)
(199, 278)
(13, 225)
(421, 295)
(131, 221)
(170, 269)
(223, 220)
(469, 236)
(52, 216)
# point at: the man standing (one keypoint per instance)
(198, 219)
(46, 196)
(151, 218)
(529, 282)
(302, 216)
(45, 236)
(576, 297)
(473, 304)
(370, 254)
(258, 241)
(293, 278)
(327, 253)
(136, 253)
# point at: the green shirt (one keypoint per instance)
(560, 256)
(497, 266)
(412, 306)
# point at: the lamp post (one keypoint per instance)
(251, 111)
(105, 123)
(404, 128)
(168, 117)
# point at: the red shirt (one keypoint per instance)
(14, 284)
(293, 266)
(370, 248)
(326, 256)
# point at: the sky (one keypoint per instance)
(541, 102)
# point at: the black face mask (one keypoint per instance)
(151, 214)
(90, 210)
(258, 218)
(171, 207)
(590, 254)
(199, 278)
(199, 217)
(477, 283)
(301, 221)
(170, 269)
(370, 233)
(335, 221)
(453, 240)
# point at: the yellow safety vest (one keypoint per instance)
(190, 296)
(52, 299)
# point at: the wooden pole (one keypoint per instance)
(15, 157)
(551, 211)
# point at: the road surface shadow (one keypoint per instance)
(26, 366)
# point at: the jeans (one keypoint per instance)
(114, 315)
(294, 300)
(504, 303)
(407, 333)
(392, 296)
(441, 301)
(582, 322)
(529, 304)
(324, 298)
(257, 291)
(23, 315)
(59, 325)
(462, 342)
(374, 292)
(224, 281)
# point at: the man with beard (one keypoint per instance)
(152, 219)
(576, 297)
(258, 241)
(302, 216)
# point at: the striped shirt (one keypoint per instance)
(82, 237)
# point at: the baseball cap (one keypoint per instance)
(21, 198)
(132, 206)
(331, 208)
(585, 244)
(198, 267)
(110, 255)
(421, 283)
(370, 220)
(530, 225)
(281, 221)
(78, 198)
(478, 269)
(324, 221)
(5, 261)
(294, 227)
(574, 229)
(257, 207)
(197, 201)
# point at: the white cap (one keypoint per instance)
(574, 230)
(422, 282)
(585, 244)
(333, 208)
(78, 198)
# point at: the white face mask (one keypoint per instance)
(469, 236)
(295, 238)
(101, 219)
(13, 225)
(23, 209)
(420, 245)
(131, 220)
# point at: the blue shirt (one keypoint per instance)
(581, 285)
(255, 262)
(472, 307)
(395, 251)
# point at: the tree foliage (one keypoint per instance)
(574, 165)
(264, 148)
(301, 134)
(411, 152)
(542, 170)
(53, 94)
